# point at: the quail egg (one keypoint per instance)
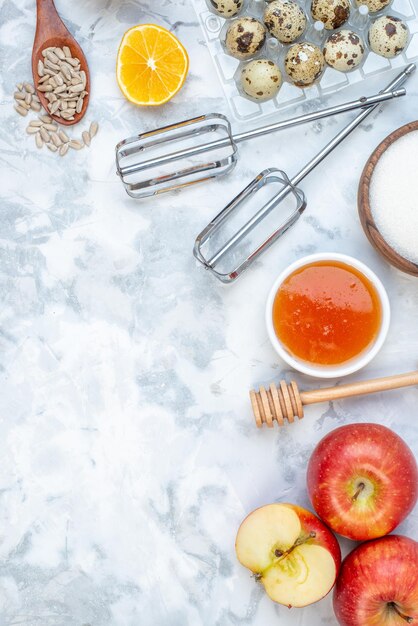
(333, 13)
(261, 79)
(245, 37)
(388, 36)
(373, 5)
(304, 63)
(285, 20)
(344, 50)
(227, 8)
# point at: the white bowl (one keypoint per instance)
(354, 364)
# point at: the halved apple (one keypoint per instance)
(290, 551)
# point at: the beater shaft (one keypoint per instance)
(361, 103)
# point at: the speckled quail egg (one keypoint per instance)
(261, 79)
(245, 37)
(333, 13)
(227, 8)
(344, 50)
(374, 5)
(285, 20)
(388, 36)
(304, 63)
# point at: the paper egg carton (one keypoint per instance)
(228, 68)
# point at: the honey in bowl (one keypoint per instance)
(327, 313)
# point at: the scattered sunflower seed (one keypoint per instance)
(21, 110)
(63, 149)
(39, 141)
(94, 127)
(51, 147)
(28, 87)
(86, 137)
(45, 134)
(75, 144)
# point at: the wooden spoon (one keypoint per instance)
(51, 31)
(366, 217)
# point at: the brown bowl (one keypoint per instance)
(364, 209)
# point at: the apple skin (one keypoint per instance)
(373, 576)
(324, 537)
(368, 455)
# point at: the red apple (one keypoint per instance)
(362, 480)
(290, 551)
(378, 584)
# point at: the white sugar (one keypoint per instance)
(394, 196)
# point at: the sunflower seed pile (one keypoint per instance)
(44, 129)
(62, 81)
(47, 133)
(26, 99)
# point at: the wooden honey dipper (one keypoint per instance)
(285, 401)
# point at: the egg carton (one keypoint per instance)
(228, 68)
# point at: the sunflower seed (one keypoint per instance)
(73, 61)
(60, 53)
(67, 114)
(66, 70)
(45, 50)
(44, 79)
(31, 130)
(28, 87)
(36, 123)
(23, 104)
(86, 137)
(38, 140)
(52, 66)
(35, 106)
(64, 105)
(76, 80)
(45, 119)
(59, 79)
(94, 127)
(44, 88)
(19, 86)
(51, 56)
(56, 140)
(63, 149)
(21, 110)
(76, 88)
(63, 136)
(75, 144)
(35, 98)
(54, 106)
(51, 147)
(79, 105)
(18, 95)
(67, 52)
(45, 134)
(28, 98)
(49, 126)
(40, 68)
(60, 89)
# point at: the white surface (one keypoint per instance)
(128, 450)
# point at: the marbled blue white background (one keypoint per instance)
(128, 455)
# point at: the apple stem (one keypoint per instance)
(408, 619)
(358, 492)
